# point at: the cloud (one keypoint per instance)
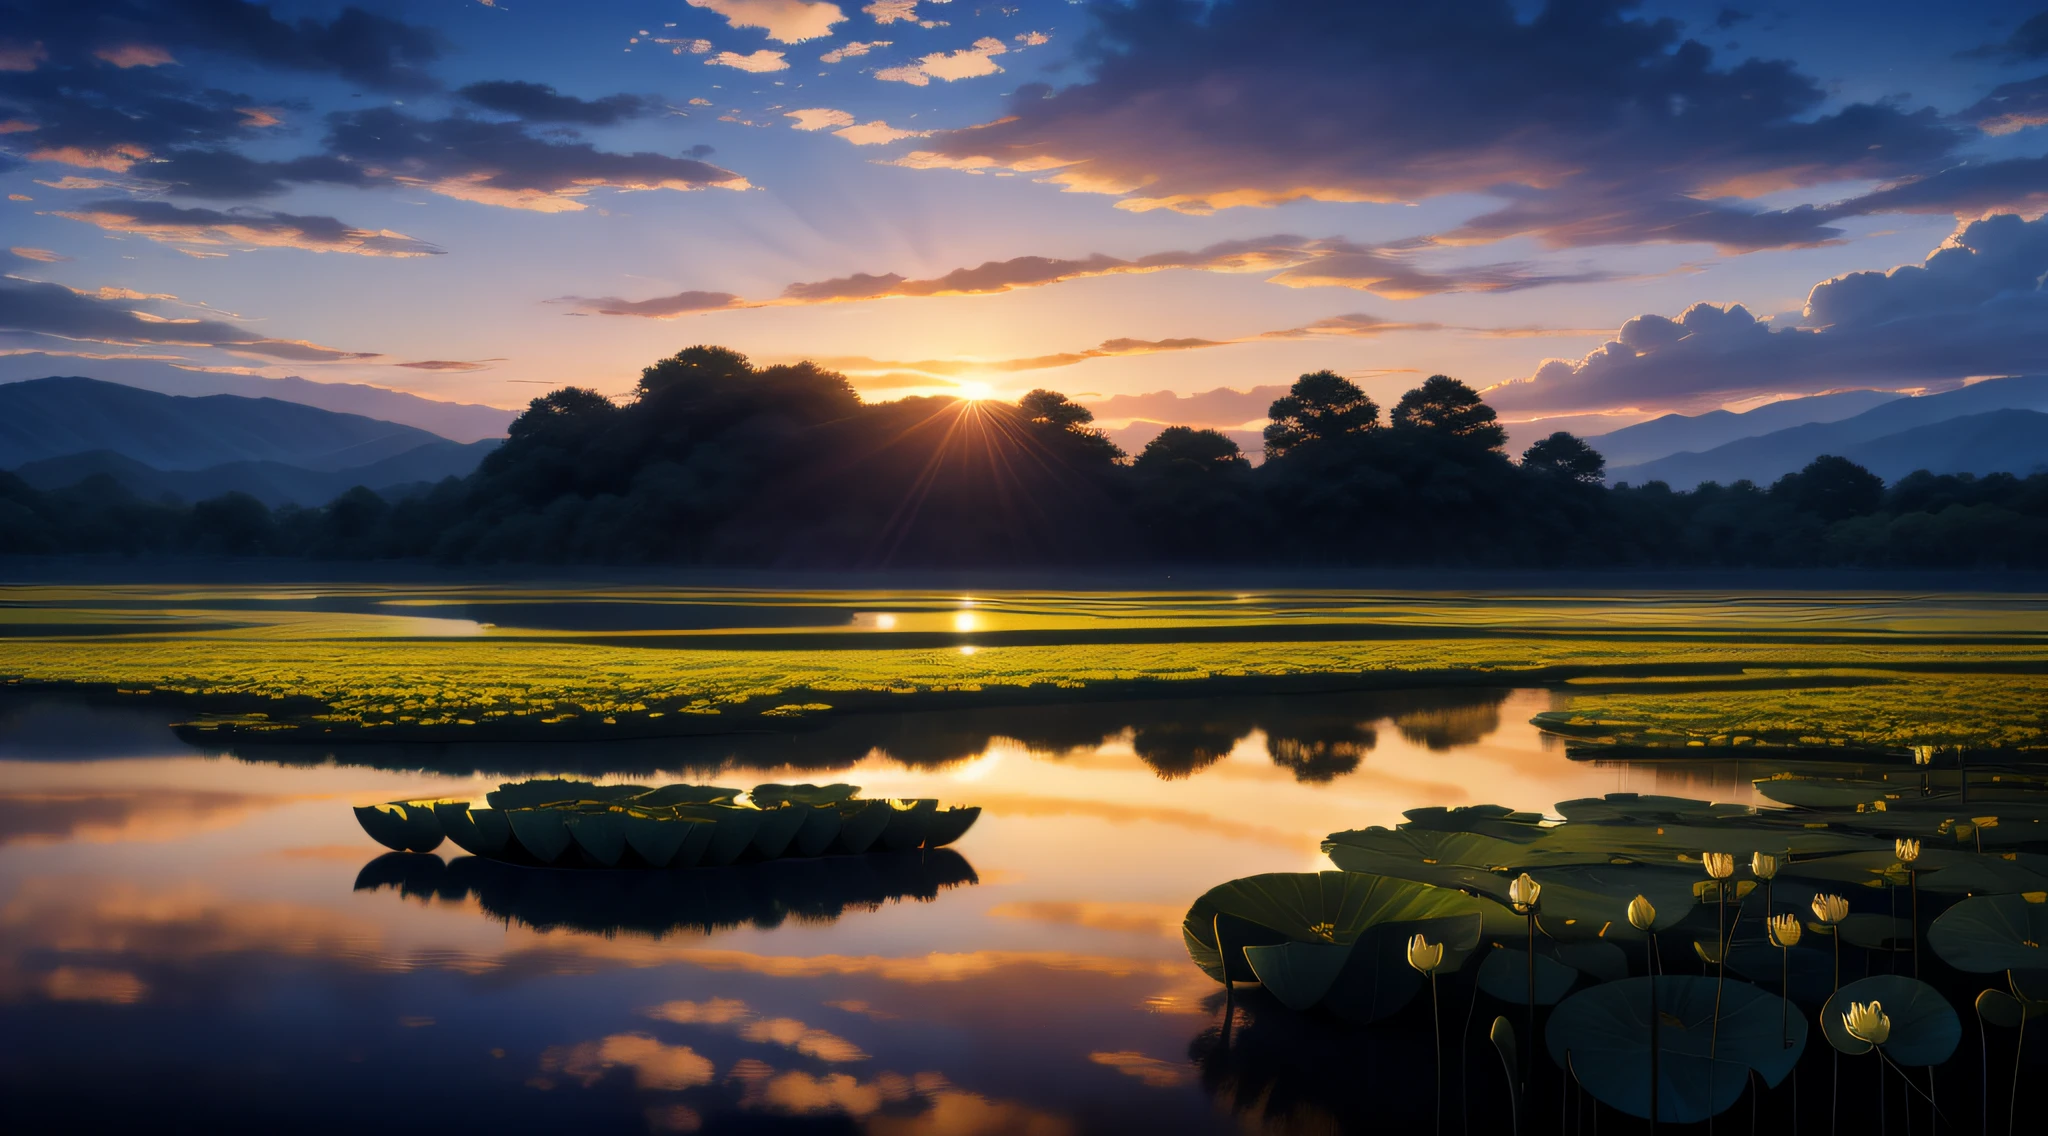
(2011, 107)
(892, 11)
(2028, 41)
(876, 133)
(1594, 126)
(663, 1068)
(498, 163)
(371, 50)
(1975, 306)
(538, 102)
(129, 55)
(966, 63)
(1297, 262)
(43, 255)
(818, 118)
(18, 56)
(786, 21)
(660, 307)
(851, 50)
(52, 309)
(169, 224)
(759, 61)
(450, 364)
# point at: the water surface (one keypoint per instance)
(209, 939)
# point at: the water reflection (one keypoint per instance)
(220, 940)
(658, 903)
(1317, 738)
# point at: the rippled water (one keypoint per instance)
(211, 939)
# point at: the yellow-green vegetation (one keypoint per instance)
(1655, 668)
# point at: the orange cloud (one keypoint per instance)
(129, 55)
(758, 62)
(1151, 1070)
(1155, 919)
(43, 255)
(785, 21)
(18, 56)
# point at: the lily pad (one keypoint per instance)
(1311, 907)
(1604, 1032)
(806, 794)
(1925, 1028)
(1298, 974)
(1993, 932)
(1376, 980)
(1504, 974)
(949, 825)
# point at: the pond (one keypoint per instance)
(196, 934)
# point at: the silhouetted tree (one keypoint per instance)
(1054, 415)
(1449, 407)
(1187, 448)
(234, 524)
(1831, 488)
(1564, 455)
(1320, 406)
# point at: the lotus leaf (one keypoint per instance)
(402, 826)
(542, 832)
(1596, 959)
(908, 821)
(1309, 907)
(684, 795)
(2029, 986)
(479, 832)
(1376, 980)
(1504, 974)
(1297, 974)
(1877, 932)
(533, 794)
(735, 833)
(1812, 970)
(778, 827)
(945, 827)
(1604, 1034)
(1925, 1028)
(659, 840)
(2001, 1009)
(820, 829)
(1993, 932)
(602, 836)
(1487, 820)
(1636, 808)
(805, 794)
(860, 823)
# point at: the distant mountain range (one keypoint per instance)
(1987, 427)
(272, 483)
(55, 432)
(1697, 433)
(463, 422)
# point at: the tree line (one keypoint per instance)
(714, 461)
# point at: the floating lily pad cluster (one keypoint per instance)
(564, 824)
(1846, 859)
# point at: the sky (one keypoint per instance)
(1594, 211)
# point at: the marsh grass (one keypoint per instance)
(1639, 669)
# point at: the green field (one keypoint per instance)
(1641, 668)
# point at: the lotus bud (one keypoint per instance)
(1984, 822)
(1424, 955)
(1867, 1023)
(1830, 908)
(1784, 930)
(1523, 893)
(1923, 755)
(1641, 914)
(1763, 865)
(1719, 865)
(1906, 850)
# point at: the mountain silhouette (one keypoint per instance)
(49, 418)
(273, 483)
(1767, 457)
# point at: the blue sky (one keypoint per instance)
(1101, 199)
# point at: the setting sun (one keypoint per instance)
(975, 391)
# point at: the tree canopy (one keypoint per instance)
(713, 460)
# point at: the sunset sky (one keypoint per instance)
(474, 200)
